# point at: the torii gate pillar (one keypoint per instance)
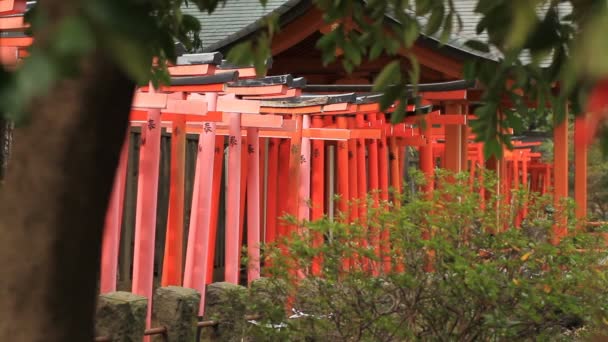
(560, 162)
(580, 164)
(454, 147)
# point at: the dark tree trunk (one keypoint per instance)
(6, 140)
(53, 203)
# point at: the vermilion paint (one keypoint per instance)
(113, 223)
(145, 215)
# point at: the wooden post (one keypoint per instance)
(318, 184)
(427, 165)
(362, 172)
(560, 162)
(172, 261)
(283, 184)
(453, 142)
(295, 159)
(145, 217)
(197, 254)
(233, 200)
(218, 163)
(253, 204)
(580, 164)
(113, 223)
(374, 187)
(305, 166)
(271, 189)
(243, 197)
(384, 195)
(342, 176)
(353, 175)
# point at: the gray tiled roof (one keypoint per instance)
(241, 17)
(234, 20)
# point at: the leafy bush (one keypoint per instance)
(454, 270)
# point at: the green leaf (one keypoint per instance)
(134, 58)
(423, 7)
(410, 34)
(399, 114)
(446, 33)
(485, 6)
(477, 45)
(391, 94)
(524, 21)
(414, 72)
(351, 52)
(390, 74)
(73, 37)
(241, 54)
(435, 20)
(469, 69)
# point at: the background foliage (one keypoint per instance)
(475, 278)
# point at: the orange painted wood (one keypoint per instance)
(257, 121)
(253, 205)
(368, 108)
(297, 30)
(262, 90)
(362, 171)
(228, 104)
(8, 7)
(374, 188)
(233, 202)
(427, 163)
(9, 55)
(293, 190)
(16, 41)
(192, 70)
(145, 216)
(580, 168)
(244, 170)
(327, 133)
(444, 95)
(365, 133)
(464, 146)
(453, 142)
(524, 184)
(396, 179)
(353, 174)
(305, 169)
(137, 116)
(189, 106)
(172, 260)
(203, 88)
(298, 110)
(263, 176)
(218, 163)
(271, 189)
(342, 171)
(560, 162)
(342, 177)
(383, 177)
(396, 182)
(289, 93)
(283, 186)
(112, 225)
(197, 254)
(515, 180)
(150, 100)
(317, 190)
(338, 107)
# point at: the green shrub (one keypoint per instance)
(489, 280)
